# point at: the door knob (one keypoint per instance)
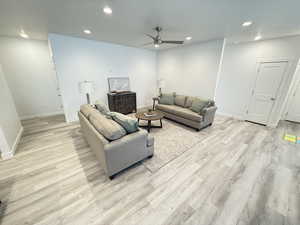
(273, 99)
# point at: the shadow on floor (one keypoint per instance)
(6, 186)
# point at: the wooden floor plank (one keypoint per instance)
(236, 173)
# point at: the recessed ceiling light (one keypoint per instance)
(107, 10)
(87, 31)
(23, 35)
(247, 23)
(188, 38)
(156, 45)
(258, 37)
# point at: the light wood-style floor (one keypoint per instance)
(240, 173)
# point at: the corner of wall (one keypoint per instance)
(156, 68)
(292, 89)
(10, 152)
(220, 68)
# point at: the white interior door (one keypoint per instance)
(294, 105)
(268, 80)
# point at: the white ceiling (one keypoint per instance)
(202, 19)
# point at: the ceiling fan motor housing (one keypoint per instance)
(157, 40)
(158, 29)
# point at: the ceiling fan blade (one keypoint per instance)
(150, 36)
(173, 42)
(149, 43)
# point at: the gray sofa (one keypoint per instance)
(117, 155)
(181, 112)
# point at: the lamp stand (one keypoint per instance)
(88, 98)
(159, 92)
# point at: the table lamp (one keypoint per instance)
(86, 87)
(161, 84)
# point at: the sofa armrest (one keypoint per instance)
(150, 141)
(209, 115)
(125, 151)
(140, 135)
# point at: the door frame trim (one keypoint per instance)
(285, 78)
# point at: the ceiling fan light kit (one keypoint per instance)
(107, 10)
(157, 40)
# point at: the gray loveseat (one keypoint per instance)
(113, 155)
(181, 111)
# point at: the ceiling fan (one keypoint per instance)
(157, 40)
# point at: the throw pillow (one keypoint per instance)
(180, 100)
(101, 107)
(189, 102)
(110, 129)
(198, 105)
(167, 99)
(128, 123)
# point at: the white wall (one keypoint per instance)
(30, 75)
(10, 126)
(191, 69)
(79, 59)
(238, 72)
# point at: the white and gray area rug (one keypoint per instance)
(173, 140)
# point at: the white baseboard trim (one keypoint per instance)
(41, 115)
(272, 125)
(18, 138)
(239, 117)
(9, 154)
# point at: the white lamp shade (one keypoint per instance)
(86, 87)
(161, 83)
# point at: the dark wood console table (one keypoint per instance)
(124, 102)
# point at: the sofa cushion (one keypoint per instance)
(86, 110)
(180, 100)
(189, 101)
(167, 99)
(110, 129)
(128, 123)
(198, 105)
(101, 107)
(180, 111)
